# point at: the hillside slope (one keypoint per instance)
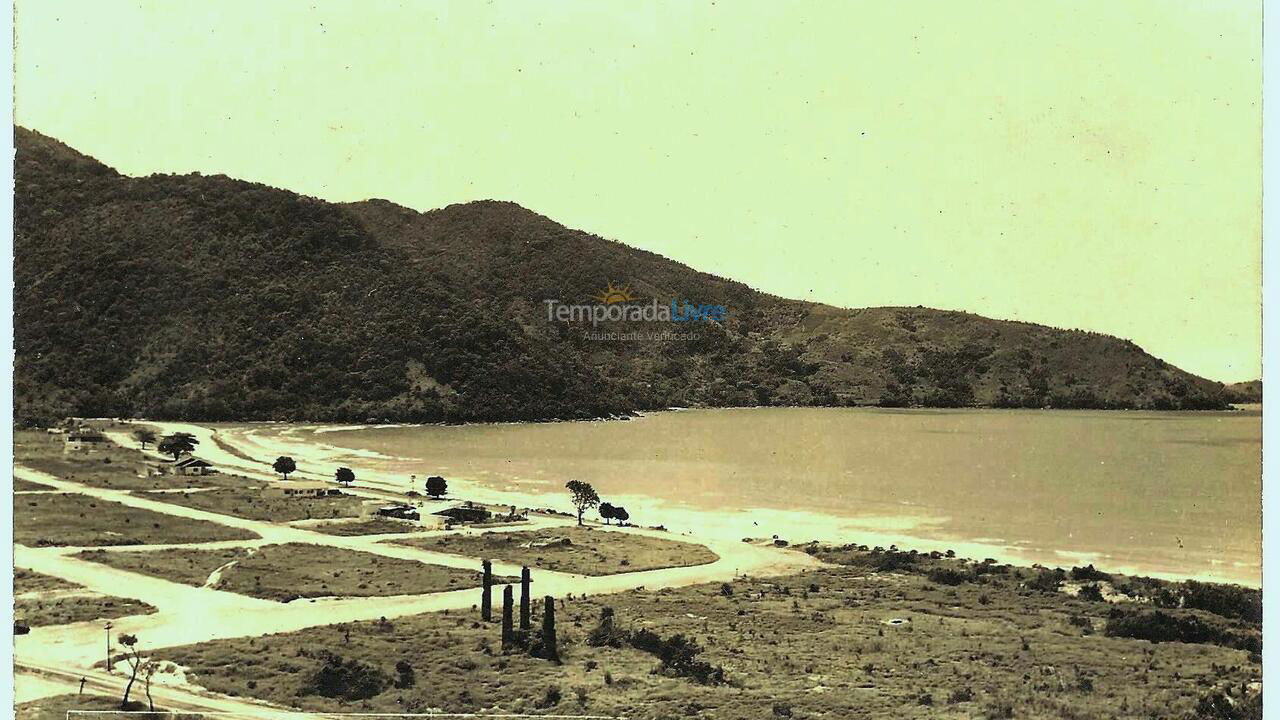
(204, 297)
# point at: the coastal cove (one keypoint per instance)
(1165, 494)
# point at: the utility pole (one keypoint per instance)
(108, 627)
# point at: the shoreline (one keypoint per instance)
(223, 445)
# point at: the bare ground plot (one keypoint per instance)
(64, 607)
(572, 549)
(82, 520)
(186, 566)
(256, 505)
(834, 643)
(26, 581)
(378, 526)
(291, 571)
(111, 467)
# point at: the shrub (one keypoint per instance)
(960, 695)
(1046, 581)
(345, 679)
(949, 576)
(1091, 593)
(551, 697)
(1089, 573)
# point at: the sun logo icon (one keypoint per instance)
(611, 294)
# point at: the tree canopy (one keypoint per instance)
(178, 444)
(583, 496)
(344, 475)
(284, 465)
(437, 486)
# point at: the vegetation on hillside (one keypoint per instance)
(203, 297)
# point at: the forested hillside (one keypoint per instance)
(203, 297)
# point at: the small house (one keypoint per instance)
(464, 513)
(397, 511)
(300, 489)
(193, 466)
(84, 440)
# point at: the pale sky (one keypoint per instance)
(1092, 164)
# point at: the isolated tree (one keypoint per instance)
(584, 496)
(178, 444)
(144, 436)
(345, 476)
(606, 512)
(437, 486)
(621, 515)
(284, 465)
(134, 658)
(149, 670)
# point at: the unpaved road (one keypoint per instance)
(52, 659)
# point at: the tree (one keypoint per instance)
(584, 496)
(149, 670)
(144, 436)
(178, 444)
(621, 515)
(284, 465)
(134, 658)
(606, 512)
(437, 486)
(345, 476)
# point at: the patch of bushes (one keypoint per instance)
(950, 576)
(678, 654)
(1089, 573)
(346, 679)
(1159, 626)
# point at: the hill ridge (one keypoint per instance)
(206, 297)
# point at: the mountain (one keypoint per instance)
(204, 297)
(1249, 391)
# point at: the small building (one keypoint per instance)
(300, 489)
(84, 440)
(193, 466)
(464, 513)
(396, 511)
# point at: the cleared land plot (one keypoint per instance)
(81, 520)
(377, 526)
(63, 607)
(817, 644)
(256, 505)
(111, 467)
(26, 581)
(188, 567)
(586, 552)
(291, 571)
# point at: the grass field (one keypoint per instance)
(185, 566)
(254, 505)
(60, 608)
(288, 572)
(46, 600)
(26, 581)
(588, 551)
(81, 520)
(376, 526)
(840, 642)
